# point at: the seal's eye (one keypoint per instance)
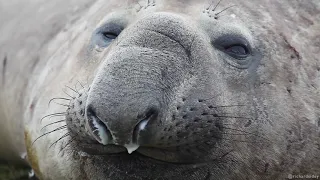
(105, 34)
(110, 35)
(235, 46)
(240, 53)
(237, 50)
(110, 31)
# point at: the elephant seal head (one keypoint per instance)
(175, 90)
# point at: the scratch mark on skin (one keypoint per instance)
(32, 106)
(4, 65)
(296, 53)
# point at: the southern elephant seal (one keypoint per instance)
(165, 90)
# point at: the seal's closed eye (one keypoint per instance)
(110, 35)
(105, 34)
(236, 50)
(235, 46)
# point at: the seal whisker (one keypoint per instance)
(75, 87)
(202, 100)
(57, 129)
(73, 90)
(71, 140)
(216, 17)
(242, 134)
(224, 10)
(235, 134)
(216, 5)
(227, 124)
(54, 114)
(238, 105)
(234, 117)
(81, 84)
(137, 1)
(210, 5)
(227, 153)
(52, 117)
(52, 124)
(57, 99)
(68, 94)
(83, 87)
(235, 140)
(62, 104)
(245, 132)
(64, 136)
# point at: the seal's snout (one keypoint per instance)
(123, 131)
(144, 95)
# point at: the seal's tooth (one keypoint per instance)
(131, 147)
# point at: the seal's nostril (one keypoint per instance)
(97, 128)
(144, 119)
(150, 114)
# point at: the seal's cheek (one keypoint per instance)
(32, 154)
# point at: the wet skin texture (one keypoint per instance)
(174, 90)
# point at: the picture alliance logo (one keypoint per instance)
(299, 176)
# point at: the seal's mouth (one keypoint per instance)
(172, 155)
(99, 150)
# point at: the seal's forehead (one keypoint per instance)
(184, 6)
(200, 12)
(134, 8)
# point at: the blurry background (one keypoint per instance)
(26, 26)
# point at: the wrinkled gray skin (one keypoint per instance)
(208, 114)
